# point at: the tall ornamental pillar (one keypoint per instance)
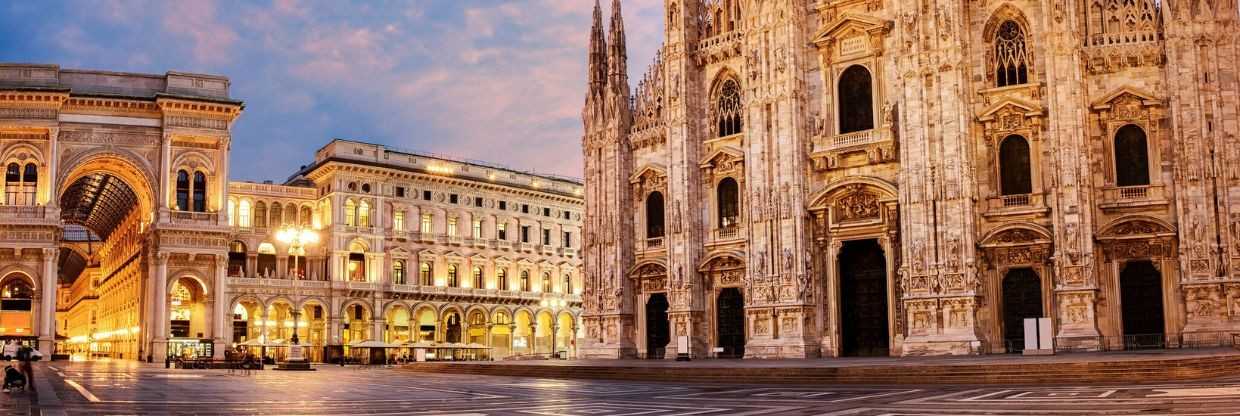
(159, 347)
(222, 316)
(47, 305)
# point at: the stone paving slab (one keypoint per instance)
(133, 388)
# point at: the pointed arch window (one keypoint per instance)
(1132, 158)
(350, 213)
(728, 111)
(654, 215)
(182, 190)
(1015, 172)
(856, 106)
(727, 196)
(200, 192)
(260, 214)
(1011, 58)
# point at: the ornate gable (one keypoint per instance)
(1127, 103)
(648, 179)
(724, 160)
(852, 35)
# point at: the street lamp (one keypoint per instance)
(297, 238)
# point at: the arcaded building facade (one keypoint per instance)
(413, 249)
(121, 236)
(868, 177)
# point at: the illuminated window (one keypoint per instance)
(243, 214)
(398, 272)
(567, 287)
(426, 223)
(452, 227)
(477, 284)
(232, 208)
(501, 279)
(350, 213)
(363, 214)
(425, 277)
(452, 277)
(525, 280)
(477, 229)
(501, 231)
(260, 214)
(398, 221)
(546, 282)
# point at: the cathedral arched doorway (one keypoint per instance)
(863, 299)
(658, 334)
(1022, 298)
(1141, 302)
(730, 323)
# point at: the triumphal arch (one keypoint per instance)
(116, 182)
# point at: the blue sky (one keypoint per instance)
(501, 81)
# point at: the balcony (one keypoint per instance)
(719, 47)
(1132, 197)
(21, 214)
(503, 245)
(727, 233)
(856, 138)
(653, 243)
(568, 252)
(1019, 200)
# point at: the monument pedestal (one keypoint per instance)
(296, 360)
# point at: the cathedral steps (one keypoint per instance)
(915, 371)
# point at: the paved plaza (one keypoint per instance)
(121, 387)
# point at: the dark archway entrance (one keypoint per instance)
(730, 323)
(1141, 298)
(657, 332)
(863, 299)
(1022, 298)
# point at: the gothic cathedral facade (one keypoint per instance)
(801, 178)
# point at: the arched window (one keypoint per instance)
(654, 215)
(350, 213)
(236, 258)
(477, 284)
(1015, 175)
(277, 215)
(525, 280)
(501, 279)
(546, 282)
(856, 95)
(12, 184)
(452, 278)
(1132, 158)
(357, 266)
(182, 190)
(425, 277)
(260, 214)
(290, 214)
(727, 195)
(232, 211)
(567, 287)
(728, 109)
(266, 260)
(243, 213)
(398, 272)
(30, 182)
(200, 192)
(1011, 59)
(363, 214)
(306, 216)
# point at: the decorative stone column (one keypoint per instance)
(47, 304)
(159, 347)
(222, 313)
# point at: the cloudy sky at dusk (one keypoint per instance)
(501, 81)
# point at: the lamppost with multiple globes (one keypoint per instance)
(297, 238)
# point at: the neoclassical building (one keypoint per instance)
(413, 248)
(800, 178)
(121, 236)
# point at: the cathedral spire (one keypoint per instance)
(617, 54)
(598, 51)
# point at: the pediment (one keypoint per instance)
(502, 260)
(722, 154)
(1136, 227)
(1009, 104)
(850, 24)
(399, 251)
(1017, 235)
(1126, 94)
(453, 255)
(655, 170)
(427, 253)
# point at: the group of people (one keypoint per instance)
(242, 359)
(17, 373)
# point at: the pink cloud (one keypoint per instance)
(211, 40)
